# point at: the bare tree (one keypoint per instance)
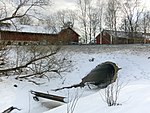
(132, 11)
(111, 15)
(83, 7)
(95, 23)
(66, 18)
(13, 9)
(100, 6)
(145, 22)
(25, 20)
(50, 24)
(90, 17)
(59, 20)
(36, 61)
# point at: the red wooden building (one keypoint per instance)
(65, 36)
(68, 36)
(119, 37)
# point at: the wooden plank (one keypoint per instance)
(49, 96)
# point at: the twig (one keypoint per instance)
(68, 87)
(28, 63)
(10, 109)
(34, 82)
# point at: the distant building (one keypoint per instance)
(68, 36)
(147, 38)
(121, 37)
(65, 36)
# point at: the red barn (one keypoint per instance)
(68, 36)
(103, 38)
(65, 36)
(10, 37)
(119, 37)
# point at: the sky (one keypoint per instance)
(147, 3)
(71, 4)
(64, 4)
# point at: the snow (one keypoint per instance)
(132, 99)
(134, 96)
(29, 29)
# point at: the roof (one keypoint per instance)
(29, 29)
(63, 30)
(123, 34)
(8, 31)
(35, 30)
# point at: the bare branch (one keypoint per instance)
(28, 63)
(22, 3)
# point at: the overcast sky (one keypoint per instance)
(64, 4)
(71, 4)
(147, 3)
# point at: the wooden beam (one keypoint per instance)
(49, 96)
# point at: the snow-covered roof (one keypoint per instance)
(123, 34)
(29, 29)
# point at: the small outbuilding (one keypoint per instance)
(119, 37)
(68, 36)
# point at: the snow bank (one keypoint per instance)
(135, 76)
(134, 98)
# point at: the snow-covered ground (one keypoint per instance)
(134, 96)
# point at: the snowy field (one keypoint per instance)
(134, 96)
